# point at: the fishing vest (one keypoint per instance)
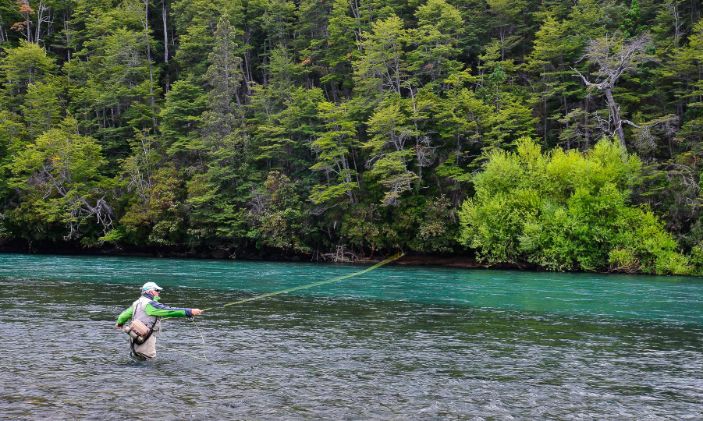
(152, 322)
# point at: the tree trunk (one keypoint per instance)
(544, 120)
(586, 130)
(678, 24)
(67, 35)
(152, 100)
(356, 12)
(248, 78)
(40, 18)
(615, 115)
(695, 11)
(164, 18)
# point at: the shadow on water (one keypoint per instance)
(401, 344)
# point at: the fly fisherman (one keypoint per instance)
(145, 320)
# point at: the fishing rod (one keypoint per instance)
(284, 291)
(313, 284)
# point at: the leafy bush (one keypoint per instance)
(566, 211)
(697, 258)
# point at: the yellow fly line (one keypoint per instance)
(314, 284)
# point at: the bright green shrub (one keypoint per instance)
(566, 211)
(697, 259)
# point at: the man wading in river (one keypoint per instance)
(145, 315)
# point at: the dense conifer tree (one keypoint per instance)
(345, 127)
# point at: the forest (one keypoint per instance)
(558, 134)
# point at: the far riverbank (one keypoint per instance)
(458, 260)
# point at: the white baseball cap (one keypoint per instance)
(151, 285)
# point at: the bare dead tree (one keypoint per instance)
(258, 204)
(3, 32)
(645, 137)
(43, 16)
(396, 185)
(32, 30)
(424, 153)
(67, 36)
(140, 179)
(164, 19)
(79, 204)
(81, 209)
(147, 37)
(673, 8)
(356, 12)
(614, 57)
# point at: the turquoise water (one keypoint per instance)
(394, 343)
(672, 299)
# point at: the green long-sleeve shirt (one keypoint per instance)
(154, 308)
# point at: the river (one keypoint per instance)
(396, 343)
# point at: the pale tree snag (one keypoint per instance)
(614, 57)
(81, 209)
(3, 33)
(164, 18)
(78, 203)
(147, 35)
(672, 7)
(43, 16)
(32, 30)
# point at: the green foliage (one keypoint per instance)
(181, 118)
(437, 229)
(437, 41)
(22, 66)
(113, 83)
(365, 229)
(279, 126)
(697, 259)
(391, 128)
(12, 134)
(341, 49)
(566, 211)
(686, 68)
(334, 148)
(276, 216)
(12, 139)
(59, 182)
(631, 25)
(382, 68)
(283, 137)
(153, 212)
(42, 106)
(224, 77)
(196, 22)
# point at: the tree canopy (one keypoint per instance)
(354, 128)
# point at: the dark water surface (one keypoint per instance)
(395, 343)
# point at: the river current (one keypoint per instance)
(396, 343)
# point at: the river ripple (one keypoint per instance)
(344, 353)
